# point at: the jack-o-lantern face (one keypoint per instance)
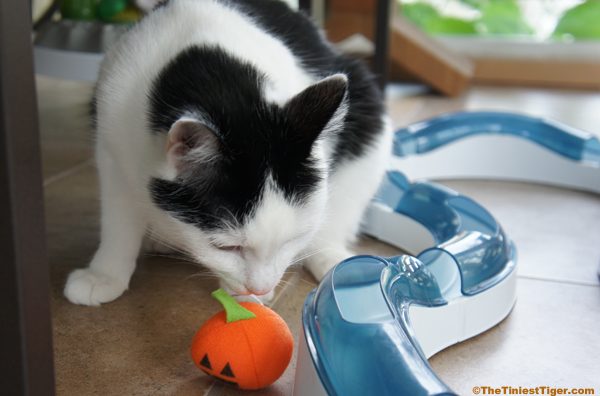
(248, 353)
(222, 350)
(225, 375)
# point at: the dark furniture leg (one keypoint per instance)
(382, 41)
(26, 361)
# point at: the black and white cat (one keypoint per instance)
(232, 131)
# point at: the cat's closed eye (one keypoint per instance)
(230, 248)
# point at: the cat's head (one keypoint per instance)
(248, 187)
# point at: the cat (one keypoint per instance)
(234, 132)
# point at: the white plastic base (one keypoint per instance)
(500, 157)
(70, 65)
(462, 318)
(396, 229)
(435, 328)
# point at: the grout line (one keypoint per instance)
(209, 389)
(568, 282)
(68, 172)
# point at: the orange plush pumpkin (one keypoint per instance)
(246, 345)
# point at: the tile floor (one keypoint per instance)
(138, 345)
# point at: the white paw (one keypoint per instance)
(320, 264)
(87, 287)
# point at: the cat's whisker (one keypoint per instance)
(202, 275)
(308, 255)
(285, 283)
(307, 282)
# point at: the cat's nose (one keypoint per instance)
(258, 292)
(262, 281)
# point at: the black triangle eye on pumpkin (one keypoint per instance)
(205, 362)
(227, 371)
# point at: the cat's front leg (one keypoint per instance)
(329, 254)
(346, 204)
(351, 189)
(122, 231)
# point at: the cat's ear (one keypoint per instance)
(319, 107)
(191, 140)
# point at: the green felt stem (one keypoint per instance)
(233, 310)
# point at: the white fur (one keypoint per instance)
(128, 156)
(350, 190)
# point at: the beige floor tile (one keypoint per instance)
(402, 110)
(65, 133)
(137, 344)
(72, 218)
(556, 231)
(368, 245)
(436, 105)
(550, 338)
(408, 104)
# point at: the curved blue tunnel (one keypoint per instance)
(356, 321)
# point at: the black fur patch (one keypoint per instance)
(160, 4)
(257, 139)
(365, 111)
(298, 32)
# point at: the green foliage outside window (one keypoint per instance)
(580, 22)
(502, 18)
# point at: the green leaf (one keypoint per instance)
(580, 22)
(79, 9)
(502, 17)
(450, 26)
(107, 9)
(428, 18)
(476, 4)
(419, 13)
(233, 310)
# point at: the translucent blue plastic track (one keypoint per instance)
(357, 319)
(460, 227)
(429, 135)
(356, 323)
